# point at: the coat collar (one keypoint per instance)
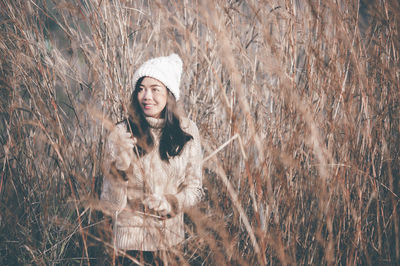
(156, 123)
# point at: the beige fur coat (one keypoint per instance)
(179, 181)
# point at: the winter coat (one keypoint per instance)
(179, 181)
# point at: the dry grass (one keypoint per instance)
(297, 103)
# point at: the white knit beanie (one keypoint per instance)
(167, 69)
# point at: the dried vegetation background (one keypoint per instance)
(297, 103)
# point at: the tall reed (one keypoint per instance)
(297, 103)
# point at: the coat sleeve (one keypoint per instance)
(114, 190)
(191, 191)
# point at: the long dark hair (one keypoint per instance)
(172, 139)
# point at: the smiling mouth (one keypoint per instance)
(147, 106)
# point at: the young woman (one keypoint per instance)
(153, 165)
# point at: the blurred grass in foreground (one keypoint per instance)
(297, 103)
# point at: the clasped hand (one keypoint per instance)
(158, 204)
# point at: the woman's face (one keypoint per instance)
(152, 97)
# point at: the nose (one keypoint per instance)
(147, 94)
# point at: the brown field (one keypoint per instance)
(297, 103)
